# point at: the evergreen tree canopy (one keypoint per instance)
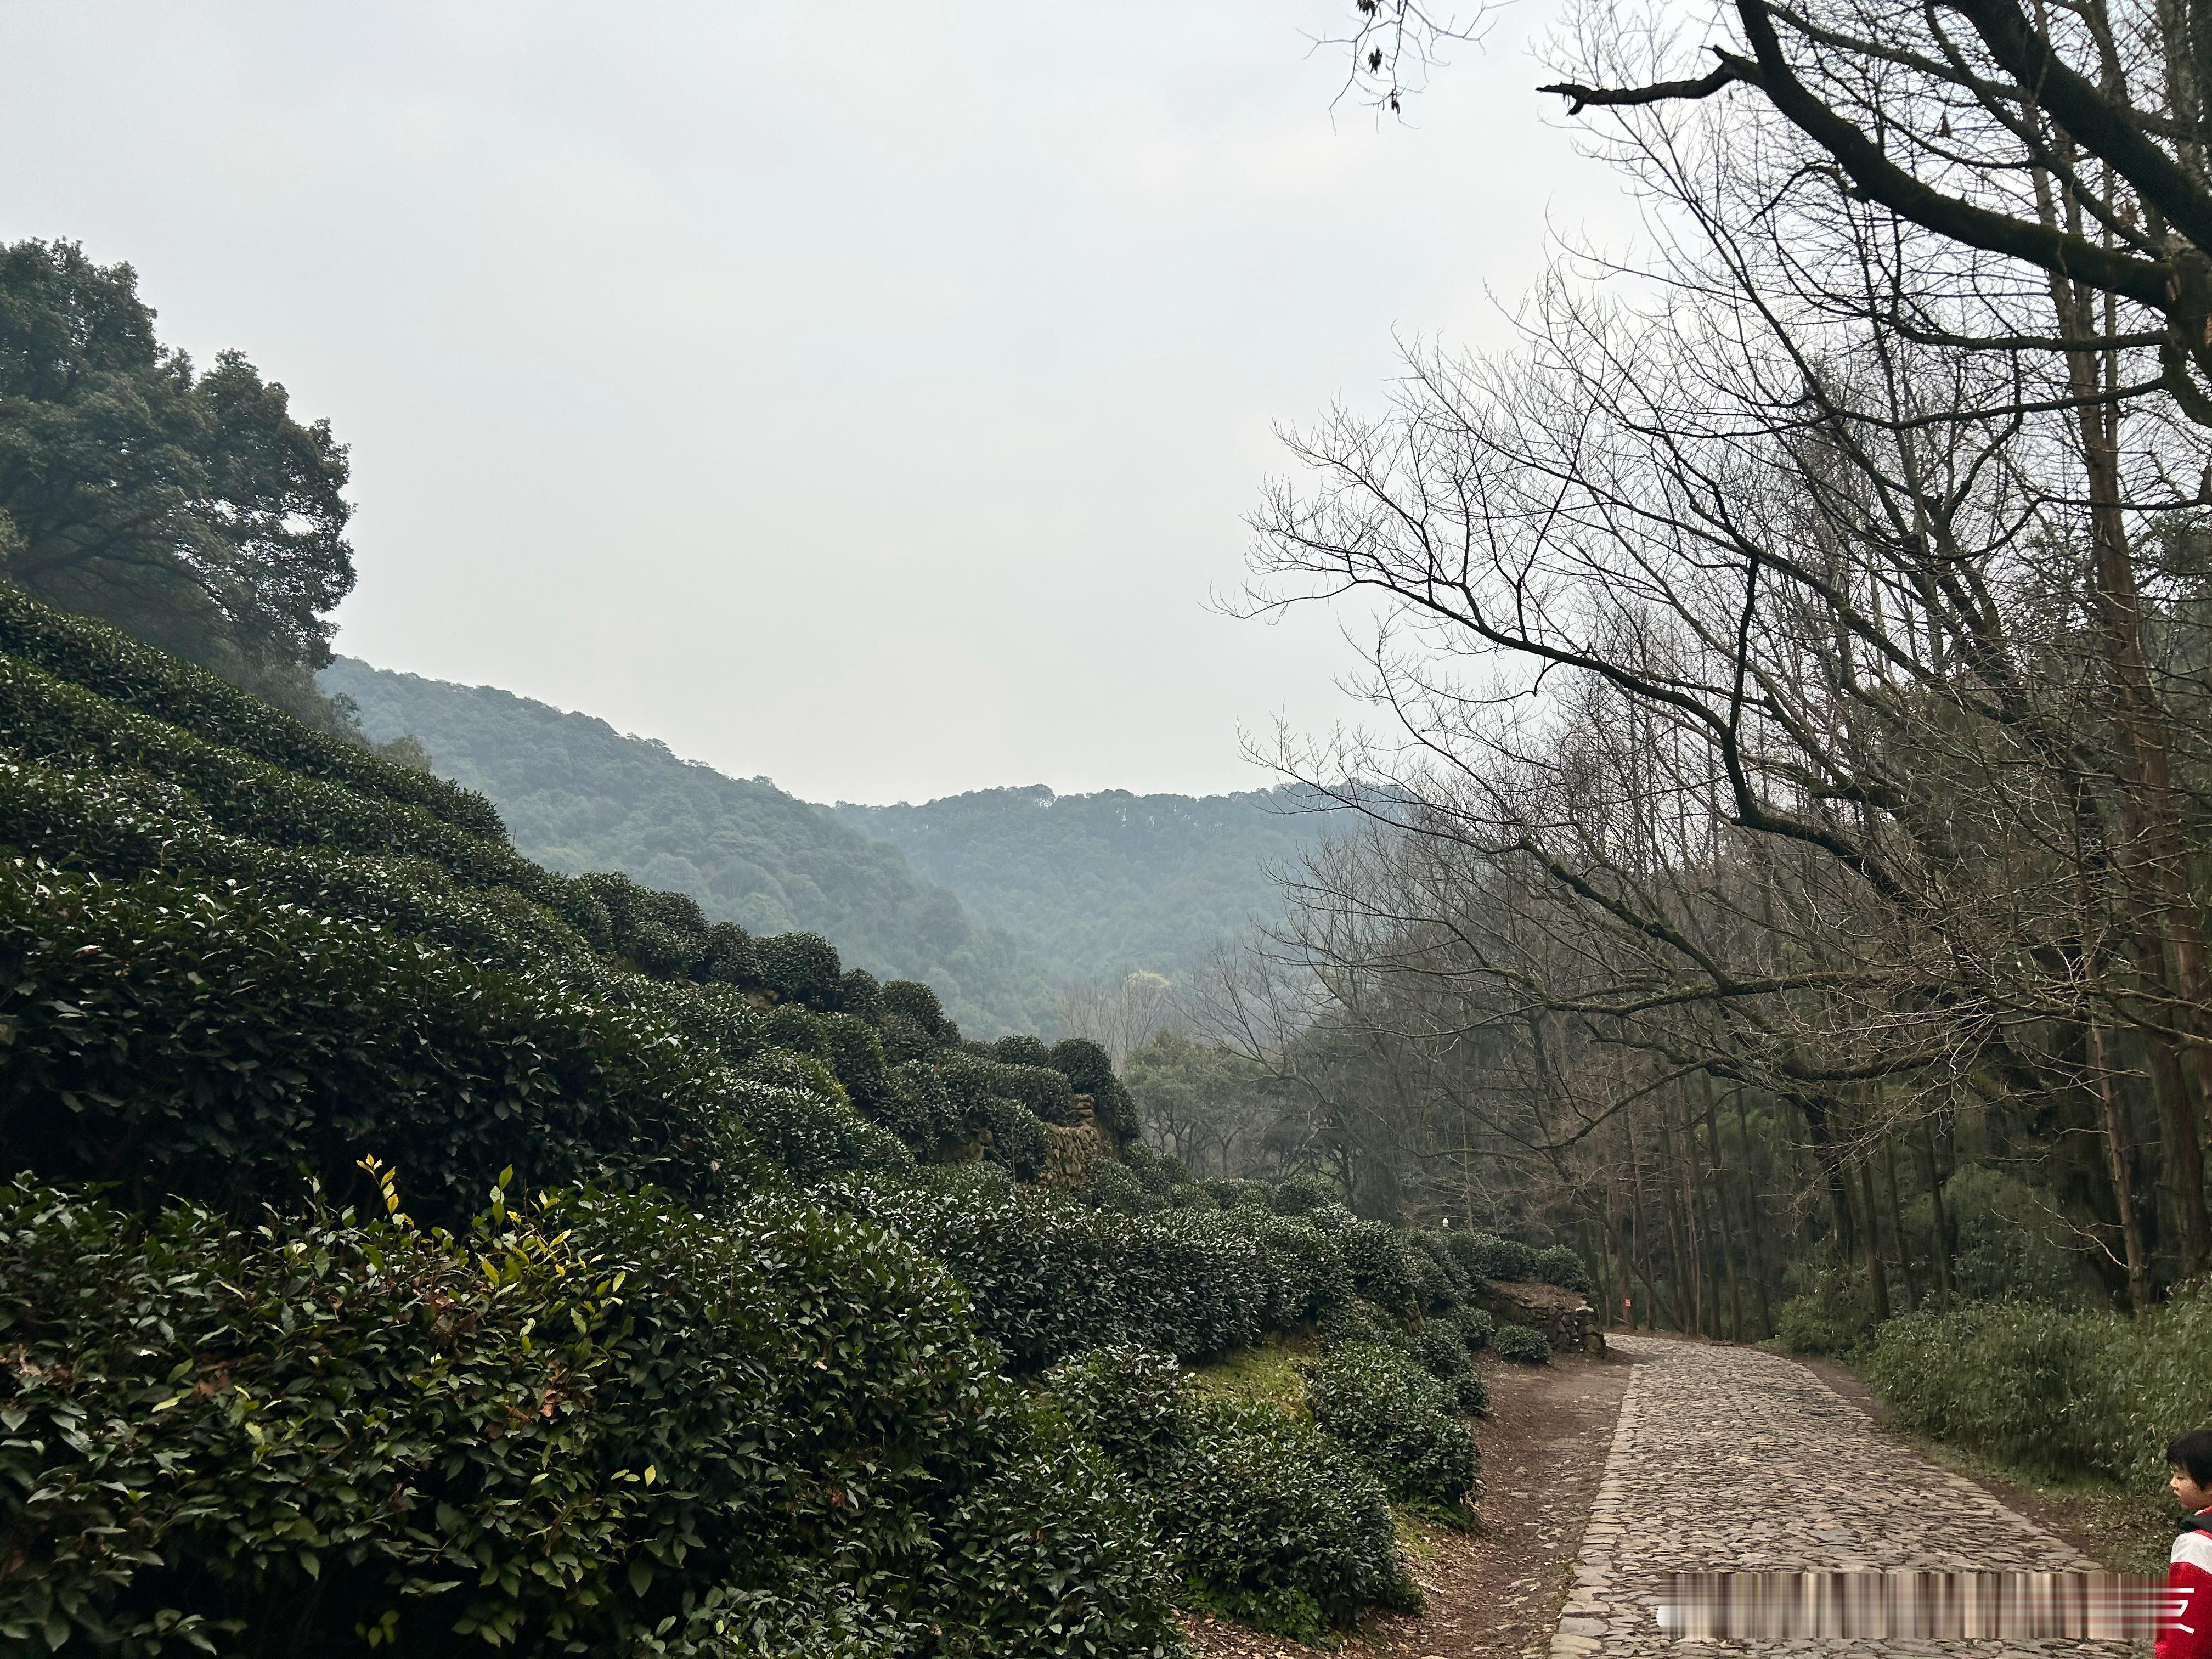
(187, 506)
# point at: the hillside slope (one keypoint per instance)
(577, 795)
(1100, 885)
(416, 1249)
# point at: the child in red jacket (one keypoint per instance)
(2185, 1632)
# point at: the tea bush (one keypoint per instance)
(1442, 1353)
(1130, 1402)
(48, 720)
(1399, 1420)
(800, 968)
(178, 1041)
(1266, 1520)
(127, 823)
(1051, 1276)
(1274, 1523)
(1563, 1267)
(591, 1422)
(109, 662)
(1382, 1267)
(1485, 1256)
(1519, 1342)
(1477, 1328)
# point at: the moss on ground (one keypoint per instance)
(1269, 1373)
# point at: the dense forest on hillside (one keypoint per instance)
(1102, 886)
(1002, 898)
(577, 795)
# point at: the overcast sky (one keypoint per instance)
(865, 396)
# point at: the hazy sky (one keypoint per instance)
(867, 396)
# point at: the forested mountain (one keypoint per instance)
(1100, 885)
(577, 795)
(997, 898)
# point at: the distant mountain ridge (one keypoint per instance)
(1095, 886)
(997, 897)
(578, 795)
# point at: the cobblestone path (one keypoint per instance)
(1736, 1459)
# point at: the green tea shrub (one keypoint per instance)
(1266, 1520)
(903, 1040)
(179, 1042)
(1357, 1321)
(1383, 1269)
(1035, 1266)
(1303, 1194)
(1021, 1049)
(1083, 1063)
(1050, 1276)
(1158, 1173)
(51, 720)
(915, 1106)
(1044, 1090)
(1130, 1402)
(1488, 1256)
(910, 1000)
(1194, 1284)
(1400, 1421)
(800, 968)
(1275, 1524)
(1442, 1353)
(589, 1424)
(815, 1139)
(797, 1030)
(127, 823)
(1433, 1291)
(1312, 1278)
(1018, 1137)
(1560, 1266)
(859, 996)
(109, 662)
(1232, 1195)
(730, 958)
(1476, 1327)
(664, 934)
(1519, 1342)
(1051, 1555)
(1435, 1245)
(1115, 1186)
(856, 1055)
(987, 1097)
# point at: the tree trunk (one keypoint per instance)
(1925, 1144)
(1720, 1206)
(1870, 1245)
(2185, 1155)
(1757, 1231)
(1681, 1231)
(2119, 1158)
(1897, 1227)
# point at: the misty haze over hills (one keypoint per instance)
(578, 795)
(997, 898)
(1100, 885)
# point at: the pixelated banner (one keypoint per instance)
(2084, 1605)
